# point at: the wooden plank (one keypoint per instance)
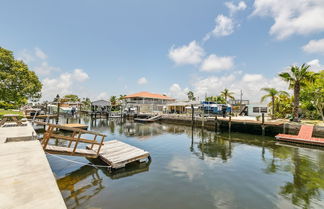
(117, 154)
(70, 138)
(69, 151)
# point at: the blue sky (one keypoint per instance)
(102, 48)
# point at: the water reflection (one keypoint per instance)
(231, 169)
(79, 186)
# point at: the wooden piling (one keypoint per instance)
(262, 126)
(192, 115)
(229, 123)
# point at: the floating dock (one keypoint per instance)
(26, 179)
(118, 154)
(304, 137)
(76, 125)
(149, 119)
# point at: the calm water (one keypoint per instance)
(192, 168)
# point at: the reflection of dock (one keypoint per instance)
(86, 182)
(80, 187)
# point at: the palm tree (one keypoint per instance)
(191, 96)
(272, 93)
(113, 100)
(297, 78)
(227, 94)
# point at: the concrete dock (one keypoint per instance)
(26, 179)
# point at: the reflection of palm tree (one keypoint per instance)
(307, 181)
(307, 176)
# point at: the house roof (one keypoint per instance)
(101, 103)
(145, 94)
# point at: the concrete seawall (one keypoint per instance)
(26, 179)
(253, 127)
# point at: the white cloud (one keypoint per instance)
(80, 75)
(45, 69)
(102, 95)
(252, 77)
(214, 63)
(40, 54)
(175, 91)
(185, 167)
(235, 8)
(224, 27)
(142, 81)
(315, 65)
(65, 83)
(250, 84)
(293, 16)
(187, 54)
(314, 46)
(26, 56)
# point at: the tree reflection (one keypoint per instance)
(307, 176)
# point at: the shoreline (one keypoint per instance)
(269, 128)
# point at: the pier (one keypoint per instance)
(26, 179)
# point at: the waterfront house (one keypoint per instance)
(256, 109)
(181, 107)
(146, 102)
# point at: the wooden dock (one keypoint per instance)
(76, 125)
(118, 154)
(304, 137)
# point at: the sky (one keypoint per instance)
(100, 48)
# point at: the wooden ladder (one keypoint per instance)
(76, 137)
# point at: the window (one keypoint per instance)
(256, 109)
(264, 109)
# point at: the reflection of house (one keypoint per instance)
(257, 109)
(146, 102)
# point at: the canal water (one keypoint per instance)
(194, 168)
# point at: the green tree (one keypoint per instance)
(227, 94)
(191, 96)
(272, 93)
(297, 78)
(312, 95)
(283, 105)
(86, 102)
(113, 100)
(217, 99)
(17, 82)
(72, 98)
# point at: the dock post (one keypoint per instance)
(192, 115)
(229, 123)
(262, 126)
(58, 111)
(67, 120)
(216, 124)
(203, 119)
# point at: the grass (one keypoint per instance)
(5, 112)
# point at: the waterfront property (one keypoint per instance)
(181, 107)
(256, 109)
(195, 168)
(146, 102)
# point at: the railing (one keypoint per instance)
(75, 137)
